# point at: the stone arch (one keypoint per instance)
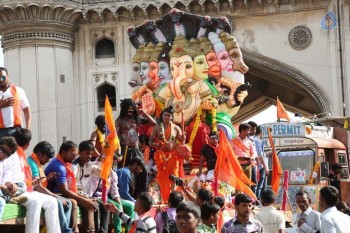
(271, 78)
(104, 48)
(101, 92)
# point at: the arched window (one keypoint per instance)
(104, 49)
(102, 91)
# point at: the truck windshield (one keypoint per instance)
(299, 163)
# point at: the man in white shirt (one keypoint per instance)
(13, 101)
(332, 220)
(308, 220)
(11, 174)
(272, 220)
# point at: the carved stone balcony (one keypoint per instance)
(42, 20)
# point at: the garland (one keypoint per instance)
(195, 127)
(163, 135)
(101, 137)
(213, 120)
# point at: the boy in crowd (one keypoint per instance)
(145, 222)
(209, 214)
(83, 169)
(175, 199)
(136, 166)
(242, 222)
(272, 220)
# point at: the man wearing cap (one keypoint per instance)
(208, 154)
(13, 101)
(244, 149)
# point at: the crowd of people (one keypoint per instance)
(62, 183)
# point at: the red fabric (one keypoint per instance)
(220, 222)
(70, 173)
(112, 142)
(201, 137)
(281, 111)
(25, 169)
(41, 170)
(167, 164)
(276, 166)
(228, 169)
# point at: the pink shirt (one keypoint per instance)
(249, 153)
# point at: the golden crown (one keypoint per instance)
(229, 41)
(140, 54)
(156, 50)
(205, 46)
(181, 47)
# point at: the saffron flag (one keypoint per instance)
(276, 165)
(228, 168)
(112, 142)
(281, 111)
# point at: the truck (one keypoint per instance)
(299, 148)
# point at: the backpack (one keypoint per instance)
(169, 225)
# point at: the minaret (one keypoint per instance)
(38, 40)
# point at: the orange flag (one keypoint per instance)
(276, 165)
(112, 142)
(281, 111)
(228, 169)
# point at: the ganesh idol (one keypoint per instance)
(163, 65)
(239, 67)
(185, 91)
(136, 79)
(143, 95)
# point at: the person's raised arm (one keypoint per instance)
(150, 119)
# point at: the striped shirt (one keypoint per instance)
(235, 226)
(145, 223)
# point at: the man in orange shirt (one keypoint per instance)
(244, 149)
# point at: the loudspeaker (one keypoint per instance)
(324, 169)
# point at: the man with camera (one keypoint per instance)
(163, 138)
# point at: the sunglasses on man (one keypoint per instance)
(3, 78)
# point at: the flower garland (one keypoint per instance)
(163, 136)
(213, 120)
(101, 138)
(195, 127)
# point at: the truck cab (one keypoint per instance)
(307, 151)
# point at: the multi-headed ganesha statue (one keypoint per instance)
(192, 63)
